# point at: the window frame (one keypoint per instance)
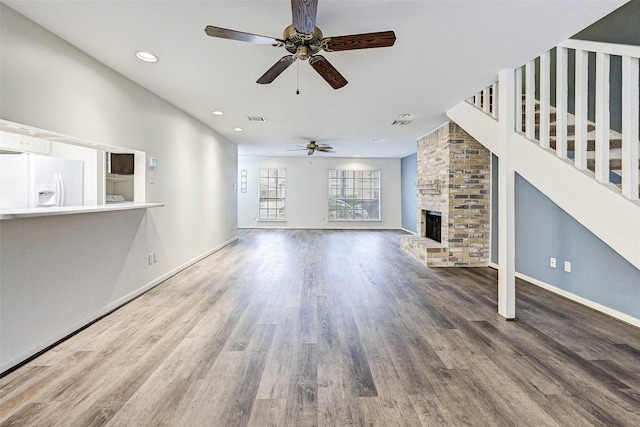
(275, 196)
(357, 200)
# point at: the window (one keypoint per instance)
(354, 195)
(272, 194)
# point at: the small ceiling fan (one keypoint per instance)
(312, 147)
(303, 40)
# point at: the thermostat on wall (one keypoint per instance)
(153, 162)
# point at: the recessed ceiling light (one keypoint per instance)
(404, 116)
(375, 140)
(146, 56)
(238, 129)
(217, 113)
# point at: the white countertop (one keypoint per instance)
(68, 210)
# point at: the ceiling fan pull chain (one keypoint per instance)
(298, 78)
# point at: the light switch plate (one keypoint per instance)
(552, 262)
(567, 266)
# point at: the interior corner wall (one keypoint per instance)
(598, 273)
(409, 166)
(59, 273)
(307, 191)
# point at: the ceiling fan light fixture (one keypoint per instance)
(146, 56)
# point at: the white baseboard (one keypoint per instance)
(409, 231)
(586, 302)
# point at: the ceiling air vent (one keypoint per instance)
(256, 119)
(401, 122)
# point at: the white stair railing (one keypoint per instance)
(538, 120)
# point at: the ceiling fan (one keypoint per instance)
(303, 40)
(312, 147)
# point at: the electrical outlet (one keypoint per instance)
(567, 266)
(552, 262)
(155, 257)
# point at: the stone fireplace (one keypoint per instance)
(454, 189)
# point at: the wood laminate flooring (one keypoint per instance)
(333, 328)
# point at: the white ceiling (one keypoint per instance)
(445, 51)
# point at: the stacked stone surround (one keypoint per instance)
(454, 177)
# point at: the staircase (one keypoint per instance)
(588, 169)
(615, 143)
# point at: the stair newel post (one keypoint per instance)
(506, 193)
(630, 95)
(582, 91)
(562, 94)
(545, 98)
(603, 117)
(530, 100)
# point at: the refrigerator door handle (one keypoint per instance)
(60, 186)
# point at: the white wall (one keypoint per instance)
(57, 273)
(307, 191)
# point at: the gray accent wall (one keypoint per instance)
(598, 273)
(409, 171)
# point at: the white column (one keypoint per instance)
(582, 91)
(603, 117)
(561, 101)
(530, 98)
(506, 196)
(545, 98)
(630, 94)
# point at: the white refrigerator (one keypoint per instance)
(32, 181)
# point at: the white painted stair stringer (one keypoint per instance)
(574, 191)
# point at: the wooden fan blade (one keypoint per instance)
(359, 41)
(310, 152)
(276, 69)
(304, 15)
(327, 71)
(224, 33)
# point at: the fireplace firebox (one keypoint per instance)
(432, 221)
